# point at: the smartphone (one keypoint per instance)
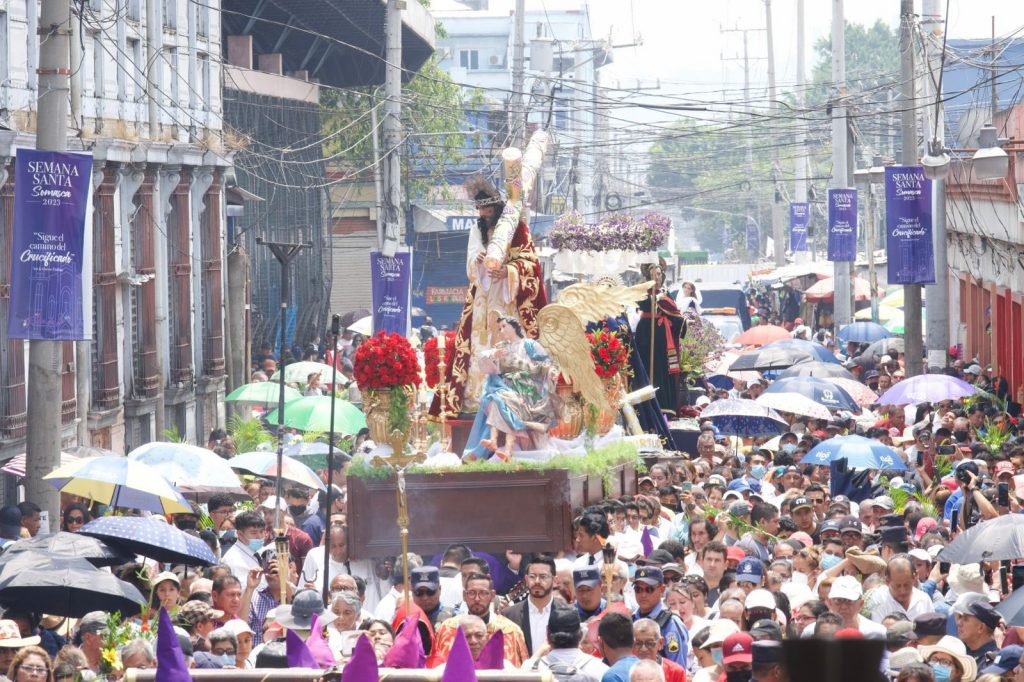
(954, 519)
(1004, 495)
(687, 487)
(946, 450)
(944, 567)
(920, 458)
(1017, 576)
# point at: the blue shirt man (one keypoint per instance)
(587, 582)
(649, 586)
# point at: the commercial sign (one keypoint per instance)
(908, 226)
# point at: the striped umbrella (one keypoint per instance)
(119, 482)
(265, 464)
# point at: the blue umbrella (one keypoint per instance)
(926, 388)
(741, 417)
(721, 381)
(858, 451)
(782, 354)
(863, 332)
(821, 391)
(815, 368)
(151, 538)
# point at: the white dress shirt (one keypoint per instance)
(882, 604)
(538, 623)
(240, 559)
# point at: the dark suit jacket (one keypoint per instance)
(519, 613)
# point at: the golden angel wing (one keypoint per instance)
(563, 338)
(595, 302)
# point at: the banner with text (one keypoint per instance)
(753, 240)
(799, 217)
(389, 280)
(842, 225)
(48, 250)
(908, 226)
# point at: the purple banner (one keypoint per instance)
(908, 222)
(753, 239)
(799, 217)
(389, 279)
(842, 225)
(51, 195)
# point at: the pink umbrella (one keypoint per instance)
(824, 290)
(761, 334)
(863, 395)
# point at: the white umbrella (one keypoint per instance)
(794, 403)
(362, 326)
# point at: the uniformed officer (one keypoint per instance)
(649, 586)
(587, 581)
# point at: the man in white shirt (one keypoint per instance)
(241, 558)
(339, 563)
(563, 635)
(589, 534)
(899, 595)
(846, 599)
(532, 614)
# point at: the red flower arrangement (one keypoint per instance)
(431, 358)
(608, 353)
(385, 361)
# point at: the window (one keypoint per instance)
(98, 57)
(204, 76)
(469, 59)
(563, 65)
(133, 9)
(136, 76)
(201, 12)
(171, 14)
(172, 93)
(95, 5)
(5, 54)
(32, 42)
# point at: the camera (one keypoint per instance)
(963, 475)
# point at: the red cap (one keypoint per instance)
(798, 320)
(1005, 468)
(849, 633)
(734, 553)
(737, 648)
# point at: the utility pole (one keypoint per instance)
(43, 431)
(800, 161)
(392, 127)
(937, 299)
(842, 301)
(778, 208)
(908, 157)
(518, 109)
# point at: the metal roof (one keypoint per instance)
(339, 42)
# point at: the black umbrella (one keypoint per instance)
(1012, 608)
(353, 315)
(151, 538)
(64, 586)
(93, 550)
(993, 540)
(782, 354)
(881, 347)
(818, 369)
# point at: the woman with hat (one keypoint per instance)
(949, 661)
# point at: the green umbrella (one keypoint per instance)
(313, 413)
(298, 372)
(896, 324)
(263, 393)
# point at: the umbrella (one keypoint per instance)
(821, 391)
(313, 413)
(1012, 608)
(16, 465)
(64, 586)
(741, 417)
(894, 299)
(926, 388)
(722, 364)
(824, 290)
(993, 540)
(363, 325)
(885, 312)
(863, 332)
(861, 393)
(896, 323)
(879, 348)
(151, 538)
(194, 471)
(298, 373)
(351, 316)
(263, 393)
(119, 482)
(313, 455)
(63, 543)
(265, 464)
(794, 403)
(761, 334)
(858, 451)
(782, 354)
(815, 368)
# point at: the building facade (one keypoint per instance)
(156, 359)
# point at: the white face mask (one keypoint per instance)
(799, 578)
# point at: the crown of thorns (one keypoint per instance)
(482, 191)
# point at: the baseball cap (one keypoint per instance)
(846, 587)
(921, 554)
(883, 501)
(984, 612)
(10, 520)
(734, 553)
(166, 575)
(760, 599)
(829, 525)
(750, 570)
(649, 575)
(929, 625)
(673, 568)
(194, 612)
(299, 614)
(1006, 660)
(564, 620)
(716, 479)
(425, 576)
(1005, 468)
(899, 633)
(850, 524)
(586, 576)
(737, 648)
(94, 621)
(739, 509)
(738, 485)
(768, 631)
(973, 369)
(272, 502)
(658, 557)
(237, 626)
(800, 503)
(719, 630)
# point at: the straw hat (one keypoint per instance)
(955, 648)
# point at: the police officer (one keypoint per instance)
(648, 587)
(587, 581)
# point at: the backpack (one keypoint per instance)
(564, 672)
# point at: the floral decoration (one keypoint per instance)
(431, 358)
(702, 345)
(617, 231)
(385, 361)
(608, 353)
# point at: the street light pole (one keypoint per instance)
(908, 157)
(842, 302)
